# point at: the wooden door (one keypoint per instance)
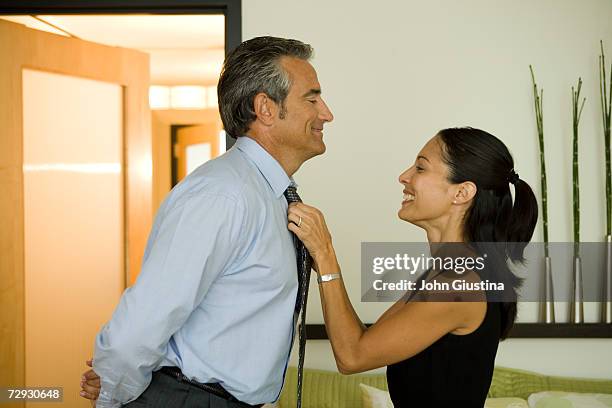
(48, 314)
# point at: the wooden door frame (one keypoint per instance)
(163, 121)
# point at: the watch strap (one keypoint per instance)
(328, 277)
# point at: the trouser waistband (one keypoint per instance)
(213, 388)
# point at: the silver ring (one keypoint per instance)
(300, 222)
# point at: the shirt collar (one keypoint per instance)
(268, 166)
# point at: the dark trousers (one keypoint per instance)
(166, 392)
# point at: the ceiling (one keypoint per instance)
(184, 49)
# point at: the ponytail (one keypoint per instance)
(522, 221)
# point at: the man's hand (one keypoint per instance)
(90, 384)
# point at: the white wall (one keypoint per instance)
(395, 72)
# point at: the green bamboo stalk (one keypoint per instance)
(606, 107)
(576, 113)
(538, 99)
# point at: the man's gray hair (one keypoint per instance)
(254, 67)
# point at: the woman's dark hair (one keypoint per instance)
(493, 223)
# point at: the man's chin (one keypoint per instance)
(313, 151)
(319, 149)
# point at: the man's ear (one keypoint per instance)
(465, 192)
(265, 109)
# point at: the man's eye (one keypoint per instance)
(313, 101)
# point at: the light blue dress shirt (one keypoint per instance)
(217, 290)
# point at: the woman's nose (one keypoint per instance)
(405, 176)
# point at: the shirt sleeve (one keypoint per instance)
(190, 245)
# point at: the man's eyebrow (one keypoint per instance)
(422, 157)
(312, 92)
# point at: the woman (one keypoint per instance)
(437, 353)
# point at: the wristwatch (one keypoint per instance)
(328, 277)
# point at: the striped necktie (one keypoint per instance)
(304, 265)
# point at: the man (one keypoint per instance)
(215, 299)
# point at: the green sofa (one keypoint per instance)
(326, 389)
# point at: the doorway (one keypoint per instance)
(192, 146)
(133, 188)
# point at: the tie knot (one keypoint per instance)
(291, 195)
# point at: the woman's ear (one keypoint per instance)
(465, 193)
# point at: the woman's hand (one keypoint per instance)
(308, 223)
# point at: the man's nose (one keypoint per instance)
(325, 113)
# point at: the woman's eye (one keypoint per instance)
(419, 168)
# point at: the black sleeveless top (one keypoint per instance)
(455, 371)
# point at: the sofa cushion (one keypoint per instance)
(562, 399)
(505, 403)
(372, 397)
